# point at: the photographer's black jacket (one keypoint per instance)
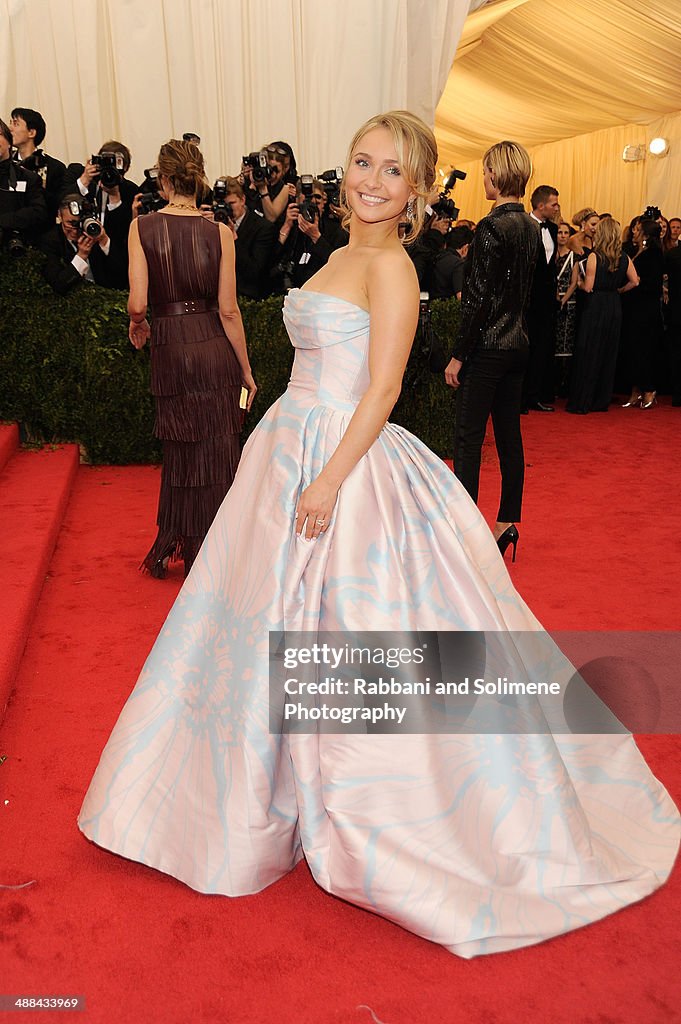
(116, 222)
(497, 282)
(51, 173)
(109, 271)
(23, 211)
(253, 248)
(333, 237)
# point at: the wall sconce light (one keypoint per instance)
(659, 147)
(632, 154)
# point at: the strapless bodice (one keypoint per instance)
(331, 339)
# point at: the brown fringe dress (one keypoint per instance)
(195, 380)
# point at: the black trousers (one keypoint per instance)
(492, 383)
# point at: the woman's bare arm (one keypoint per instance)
(574, 281)
(393, 294)
(633, 280)
(273, 208)
(590, 275)
(138, 275)
(230, 314)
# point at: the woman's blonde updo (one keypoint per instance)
(416, 156)
(182, 164)
(580, 218)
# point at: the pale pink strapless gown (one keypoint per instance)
(481, 843)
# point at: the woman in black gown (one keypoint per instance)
(609, 271)
(642, 324)
(183, 265)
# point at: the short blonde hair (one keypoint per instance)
(511, 166)
(416, 157)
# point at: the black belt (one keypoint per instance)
(188, 306)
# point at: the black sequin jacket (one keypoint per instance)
(497, 284)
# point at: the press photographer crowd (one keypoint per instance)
(286, 224)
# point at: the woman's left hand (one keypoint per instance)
(315, 505)
(139, 333)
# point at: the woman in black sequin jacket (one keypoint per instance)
(490, 351)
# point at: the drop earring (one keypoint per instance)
(410, 211)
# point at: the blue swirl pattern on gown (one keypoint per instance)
(481, 843)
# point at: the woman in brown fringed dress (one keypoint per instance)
(183, 265)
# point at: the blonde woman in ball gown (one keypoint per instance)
(339, 520)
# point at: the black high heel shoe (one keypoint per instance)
(509, 536)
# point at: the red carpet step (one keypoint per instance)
(34, 492)
(9, 442)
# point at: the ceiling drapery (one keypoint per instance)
(542, 70)
(241, 73)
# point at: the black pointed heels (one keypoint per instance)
(509, 536)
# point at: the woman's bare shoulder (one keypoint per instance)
(393, 265)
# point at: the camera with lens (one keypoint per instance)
(332, 182)
(260, 168)
(12, 242)
(111, 168)
(222, 211)
(307, 207)
(151, 198)
(652, 213)
(88, 224)
(445, 207)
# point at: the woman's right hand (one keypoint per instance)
(248, 382)
(139, 333)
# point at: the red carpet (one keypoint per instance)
(599, 549)
(34, 493)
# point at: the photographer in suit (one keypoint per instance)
(254, 242)
(305, 241)
(102, 179)
(28, 131)
(74, 256)
(539, 386)
(23, 213)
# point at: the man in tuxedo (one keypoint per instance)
(28, 131)
(113, 202)
(23, 212)
(73, 257)
(538, 386)
(253, 244)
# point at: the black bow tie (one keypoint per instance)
(544, 226)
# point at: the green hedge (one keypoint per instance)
(69, 373)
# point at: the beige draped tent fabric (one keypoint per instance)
(240, 73)
(574, 82)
